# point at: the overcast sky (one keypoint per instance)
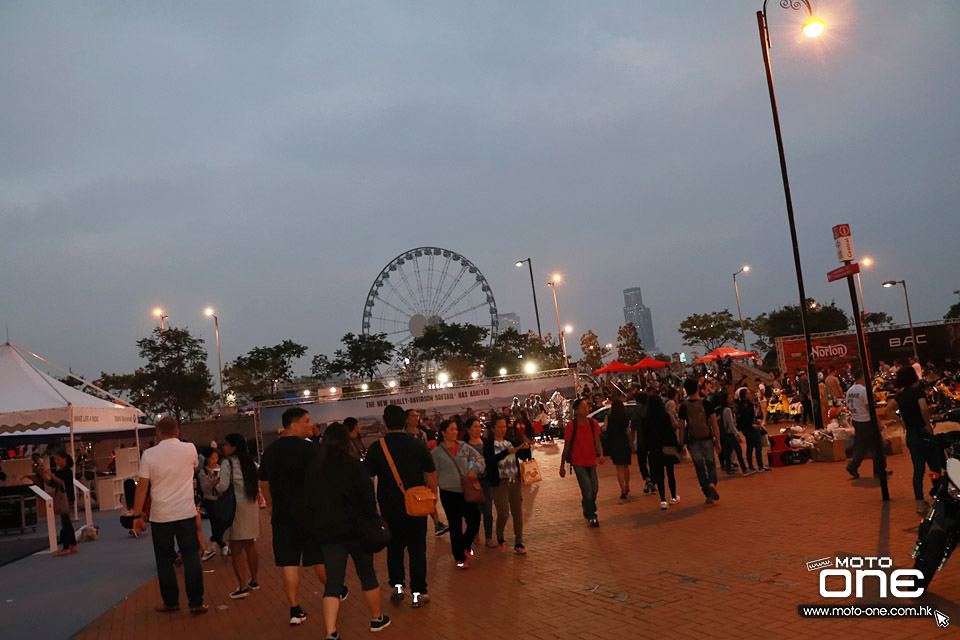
(270, 158)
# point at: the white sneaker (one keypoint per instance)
(674, 499)
(663, 506)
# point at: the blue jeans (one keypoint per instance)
(701, 453)
(589, 488)
(185, 533)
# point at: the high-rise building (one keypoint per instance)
(636, 312)
(509, 321)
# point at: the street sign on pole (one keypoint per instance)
(844, 242)
(844, 271)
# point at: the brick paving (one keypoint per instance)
(730, 570)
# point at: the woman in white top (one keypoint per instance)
(240, 471)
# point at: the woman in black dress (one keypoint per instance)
(618, 444)
(663, 448)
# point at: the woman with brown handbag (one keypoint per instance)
(458, 465)
(62, 482)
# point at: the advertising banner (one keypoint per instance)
(481, 396)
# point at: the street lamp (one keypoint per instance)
(865, 262)
(743, 336)
(913, 336)
(158, 312)
(556, 279)
(536, 309)
(812, 28)
(209, 312)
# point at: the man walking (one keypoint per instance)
(412, 426)
(283, 468)
(865, 436)
(702, 437)
(167, 470)
(581, 450)
(415, 467)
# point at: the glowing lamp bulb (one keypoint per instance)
(443, 378)
(503, 371)
(813, 27)
(158, 312)
(364, 386)
(208, 311)
(333, 390)
(530, 367)
(392, 384)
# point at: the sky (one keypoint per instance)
(269, 159)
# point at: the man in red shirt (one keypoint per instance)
(581, 450)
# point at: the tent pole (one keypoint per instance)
(73, 454)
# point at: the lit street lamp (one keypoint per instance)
(812, 28)
(553, 283)
(865, 262)
(743, 336)
(913, 336)
(536, 309)
(209, 312)
(158, 312)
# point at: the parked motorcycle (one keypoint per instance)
(939, 531)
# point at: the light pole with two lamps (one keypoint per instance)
(210, 313)
(913, 336)
(743, 336)
(812, 28)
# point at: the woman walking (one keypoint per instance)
(240, 472)
(918, 426)
(730, 441)
(746, 417)
(618, 444)
(663, 448)
(341, 505)
(503, 474)
(475, 440)
(62, 481)
(209, 477)
(456, 460)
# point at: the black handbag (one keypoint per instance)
(225, 507)
(374, 533)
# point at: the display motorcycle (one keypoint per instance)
(939, 530)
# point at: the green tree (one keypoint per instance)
(629, 348)
(511, 350)
(877, 319)
(362, 355)
(786, 321)
(954, 311)
(710, 330)
(321, 367)
(593, 353)
(456, 348)
(253, 374)
(174, 380)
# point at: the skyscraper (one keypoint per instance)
(636, 312)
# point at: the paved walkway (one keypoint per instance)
(730, 570)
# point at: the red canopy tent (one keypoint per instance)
(615, 367)
(725, 352)
(649, 363)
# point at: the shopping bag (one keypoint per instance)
(530, 472)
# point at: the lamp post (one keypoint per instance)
(812, 28)
(553, 283)
(563, 340)
(209, 312)
(913, 336)
(158, 312)
(865, 262)
(743, 336)
(536, 309)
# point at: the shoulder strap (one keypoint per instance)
(450, 453)
(393, 467)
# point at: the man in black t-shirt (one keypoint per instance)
(282, 470)
(415, 467)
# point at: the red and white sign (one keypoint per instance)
(844, 242)
(843, 272)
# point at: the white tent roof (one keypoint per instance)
(31, 399)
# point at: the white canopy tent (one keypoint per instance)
(31, 400)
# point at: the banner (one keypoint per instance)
(833, 351)
(481, 397)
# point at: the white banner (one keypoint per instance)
(482, 396)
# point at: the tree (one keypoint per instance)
(786, 321)
(456, 348)
(175, 379)
(321, 367)
(593, 353)
(954, 311)
(362, 355)
(511, 350)
(877, 319)
(252, 375)
(629, 348)
(711, 330)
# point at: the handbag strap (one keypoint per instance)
(450, 453)
(393, 467)
(573, 440)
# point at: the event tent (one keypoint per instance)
(649, 363)
(615, 367)
(31, 400)
(725, 352)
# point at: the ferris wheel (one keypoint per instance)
(424, 287)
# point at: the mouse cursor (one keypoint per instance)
(942, 620)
